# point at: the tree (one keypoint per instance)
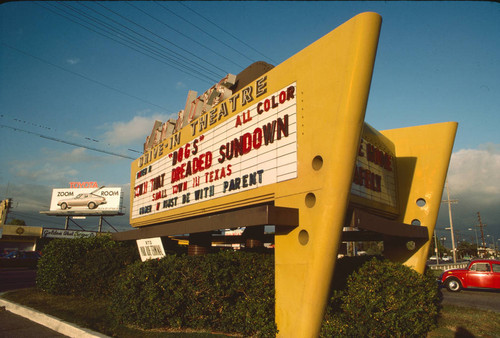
(467, 249)
(441, 249)
(16, 221)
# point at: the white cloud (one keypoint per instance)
(57, 167)
(475, 173)
(41, 171)
(133, 131)
(474, 181)
(73, 61)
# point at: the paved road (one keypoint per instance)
(477, 298)
(12, 325)
(16, 278)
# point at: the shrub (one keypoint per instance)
(82, 266)
(94, 275)
(227, 291)
(384, 299)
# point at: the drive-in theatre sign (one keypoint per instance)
(292, 144)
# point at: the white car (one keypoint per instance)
(90, 201)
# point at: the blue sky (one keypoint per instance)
(436, 62)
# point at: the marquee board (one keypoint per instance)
(243, 152)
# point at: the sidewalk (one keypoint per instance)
(12, 325)
(23, 322)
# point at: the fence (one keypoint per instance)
(448, 266)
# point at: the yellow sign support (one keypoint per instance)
(293, 138)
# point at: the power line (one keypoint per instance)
(24, 215)
(67, 142)
(133, 41)
(53, 129)
(83, 76)
(154, 42)
(226, 31)
(121, 34)
(179, 32)
(186, 51)
(213, 37)
(27, 122)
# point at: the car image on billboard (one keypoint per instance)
(89, 200)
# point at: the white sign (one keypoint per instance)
(60, 233)
(150, 248)
(255, 148)
(86, 199)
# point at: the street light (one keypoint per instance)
(436, 252)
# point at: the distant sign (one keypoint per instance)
(60, 233)
(374, 183)
(86, 199)
(150, 248)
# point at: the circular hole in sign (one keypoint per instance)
(410, 245)
(310, 200)
(415, 222)
(317, 162)
(421, 202)
(303, 237)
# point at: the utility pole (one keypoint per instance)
(451, 222)
(477, 242)
(4, 211)
(481, 225)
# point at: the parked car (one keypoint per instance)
(18, 258)
(480, 273)
(90, 200)
(22, 255)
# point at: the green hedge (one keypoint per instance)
(383, 299)
(233, 292)
(83, 266)
(227, 291)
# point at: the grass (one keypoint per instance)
(455, 321)
(91, 314)
(458, 321)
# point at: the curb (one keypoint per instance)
(49, 321)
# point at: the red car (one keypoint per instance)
(480, 273)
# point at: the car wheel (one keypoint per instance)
(92, 205)
(453, 285)
(64, 206)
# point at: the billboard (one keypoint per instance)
(86, 200)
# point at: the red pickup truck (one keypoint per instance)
(480, 273)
